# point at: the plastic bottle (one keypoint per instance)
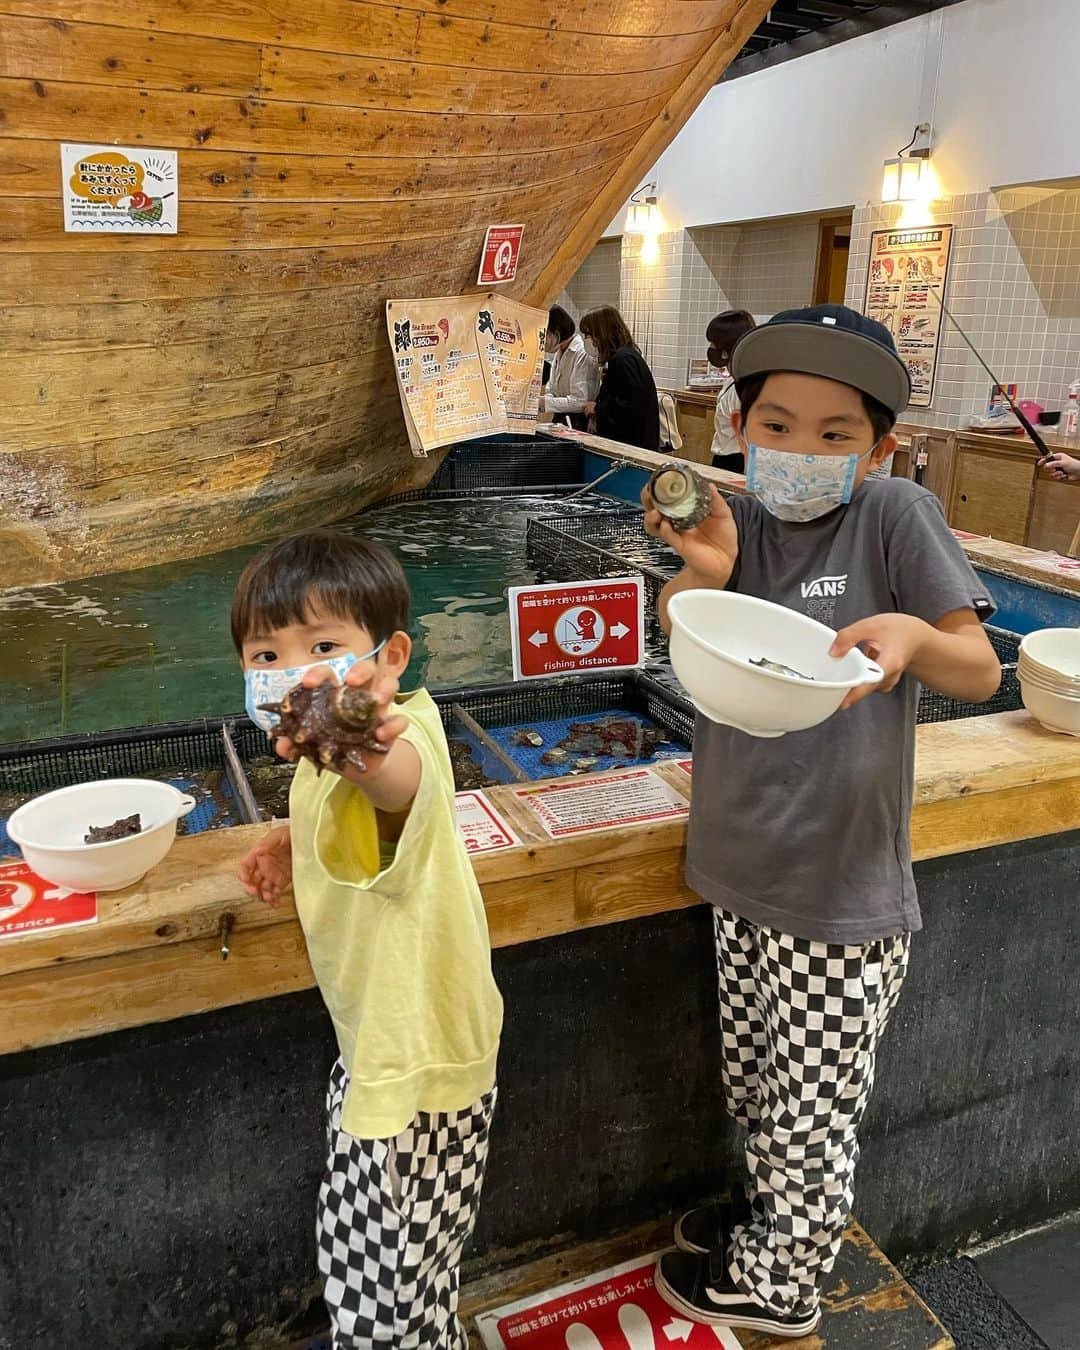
(1070, 415)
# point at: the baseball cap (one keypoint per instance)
(832, 341)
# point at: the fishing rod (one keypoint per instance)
(1021, 417)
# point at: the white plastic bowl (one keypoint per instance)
(1056, 712)
(716, 634)
(1053, 652)
(50, 831)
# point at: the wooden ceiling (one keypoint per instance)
(794, 28)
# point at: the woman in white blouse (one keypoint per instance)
(722, 334)
(575, 376)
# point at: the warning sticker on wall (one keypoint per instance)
(29, 904)
(634, 797)
(616, 1309)
(119, 189)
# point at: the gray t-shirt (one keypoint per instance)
(809, 833)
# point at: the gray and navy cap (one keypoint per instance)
(832, 341)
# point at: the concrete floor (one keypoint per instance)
(1038, 1274)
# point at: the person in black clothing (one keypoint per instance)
(626, 407)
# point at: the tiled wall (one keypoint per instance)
(762, 267)
(994, 295)
(596, 282)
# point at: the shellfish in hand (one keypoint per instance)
(680, 495)
(333, 725)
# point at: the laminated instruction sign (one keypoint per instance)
(905, 289)
(119, 189)
(573, 626)
(603, 801)
(615, 1309)
(467, 366)
(481, 826)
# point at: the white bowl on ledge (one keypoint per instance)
(50, 830)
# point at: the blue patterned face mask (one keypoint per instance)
(270, 684)
(801, 487)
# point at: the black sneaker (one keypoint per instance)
(708, 1227)
(700, 1288)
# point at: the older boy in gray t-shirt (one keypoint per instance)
(801, 843)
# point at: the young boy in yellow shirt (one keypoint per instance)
(397, 937)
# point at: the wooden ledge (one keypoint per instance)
(154, 953)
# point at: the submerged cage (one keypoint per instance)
(201, 758)
(608, 544)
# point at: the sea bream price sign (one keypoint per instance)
(574, 626)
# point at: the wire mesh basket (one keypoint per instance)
(494, 705)
(935, 707)
(193, 756)
(510, 461)
(609, 544)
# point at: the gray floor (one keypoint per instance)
(1039, 1275)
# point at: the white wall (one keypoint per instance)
(994, 76)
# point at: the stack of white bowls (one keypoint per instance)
(1049, 671)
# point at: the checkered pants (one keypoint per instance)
(393, 1218)
(800, 1024)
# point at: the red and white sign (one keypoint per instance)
(499, 260)
(617, 1309)
(687, 765)
(566, 628)
(482, 828)
(966, 534)
(29, 904)
(602, 801)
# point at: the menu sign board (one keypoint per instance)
(905, 283)
(513, 338)
(466, 366)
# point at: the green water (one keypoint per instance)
(153, 645)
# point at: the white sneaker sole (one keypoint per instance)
(720, 1319)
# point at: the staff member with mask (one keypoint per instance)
(626, 408)
(722, 334)
(575, 376)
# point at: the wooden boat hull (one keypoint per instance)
(173, 395)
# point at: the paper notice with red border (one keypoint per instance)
(29, 904)
(481, 826)
(603, 801)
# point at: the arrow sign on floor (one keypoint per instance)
(619, 630)
(678, 1330)
(538, 639)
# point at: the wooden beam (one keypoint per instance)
(653, 143)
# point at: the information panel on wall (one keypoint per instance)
(467, 366)
(906, 280)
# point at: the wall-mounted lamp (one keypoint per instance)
(643, 213)
(907, 174)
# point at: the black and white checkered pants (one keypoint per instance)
(393, 1218)
(800, 1023)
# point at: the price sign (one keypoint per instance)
(481, 826)
(575, 626)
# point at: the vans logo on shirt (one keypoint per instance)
(824, 587)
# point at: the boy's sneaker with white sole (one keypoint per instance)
(709, 1227)
(701, 1289)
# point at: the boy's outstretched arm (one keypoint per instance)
(953, 656)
